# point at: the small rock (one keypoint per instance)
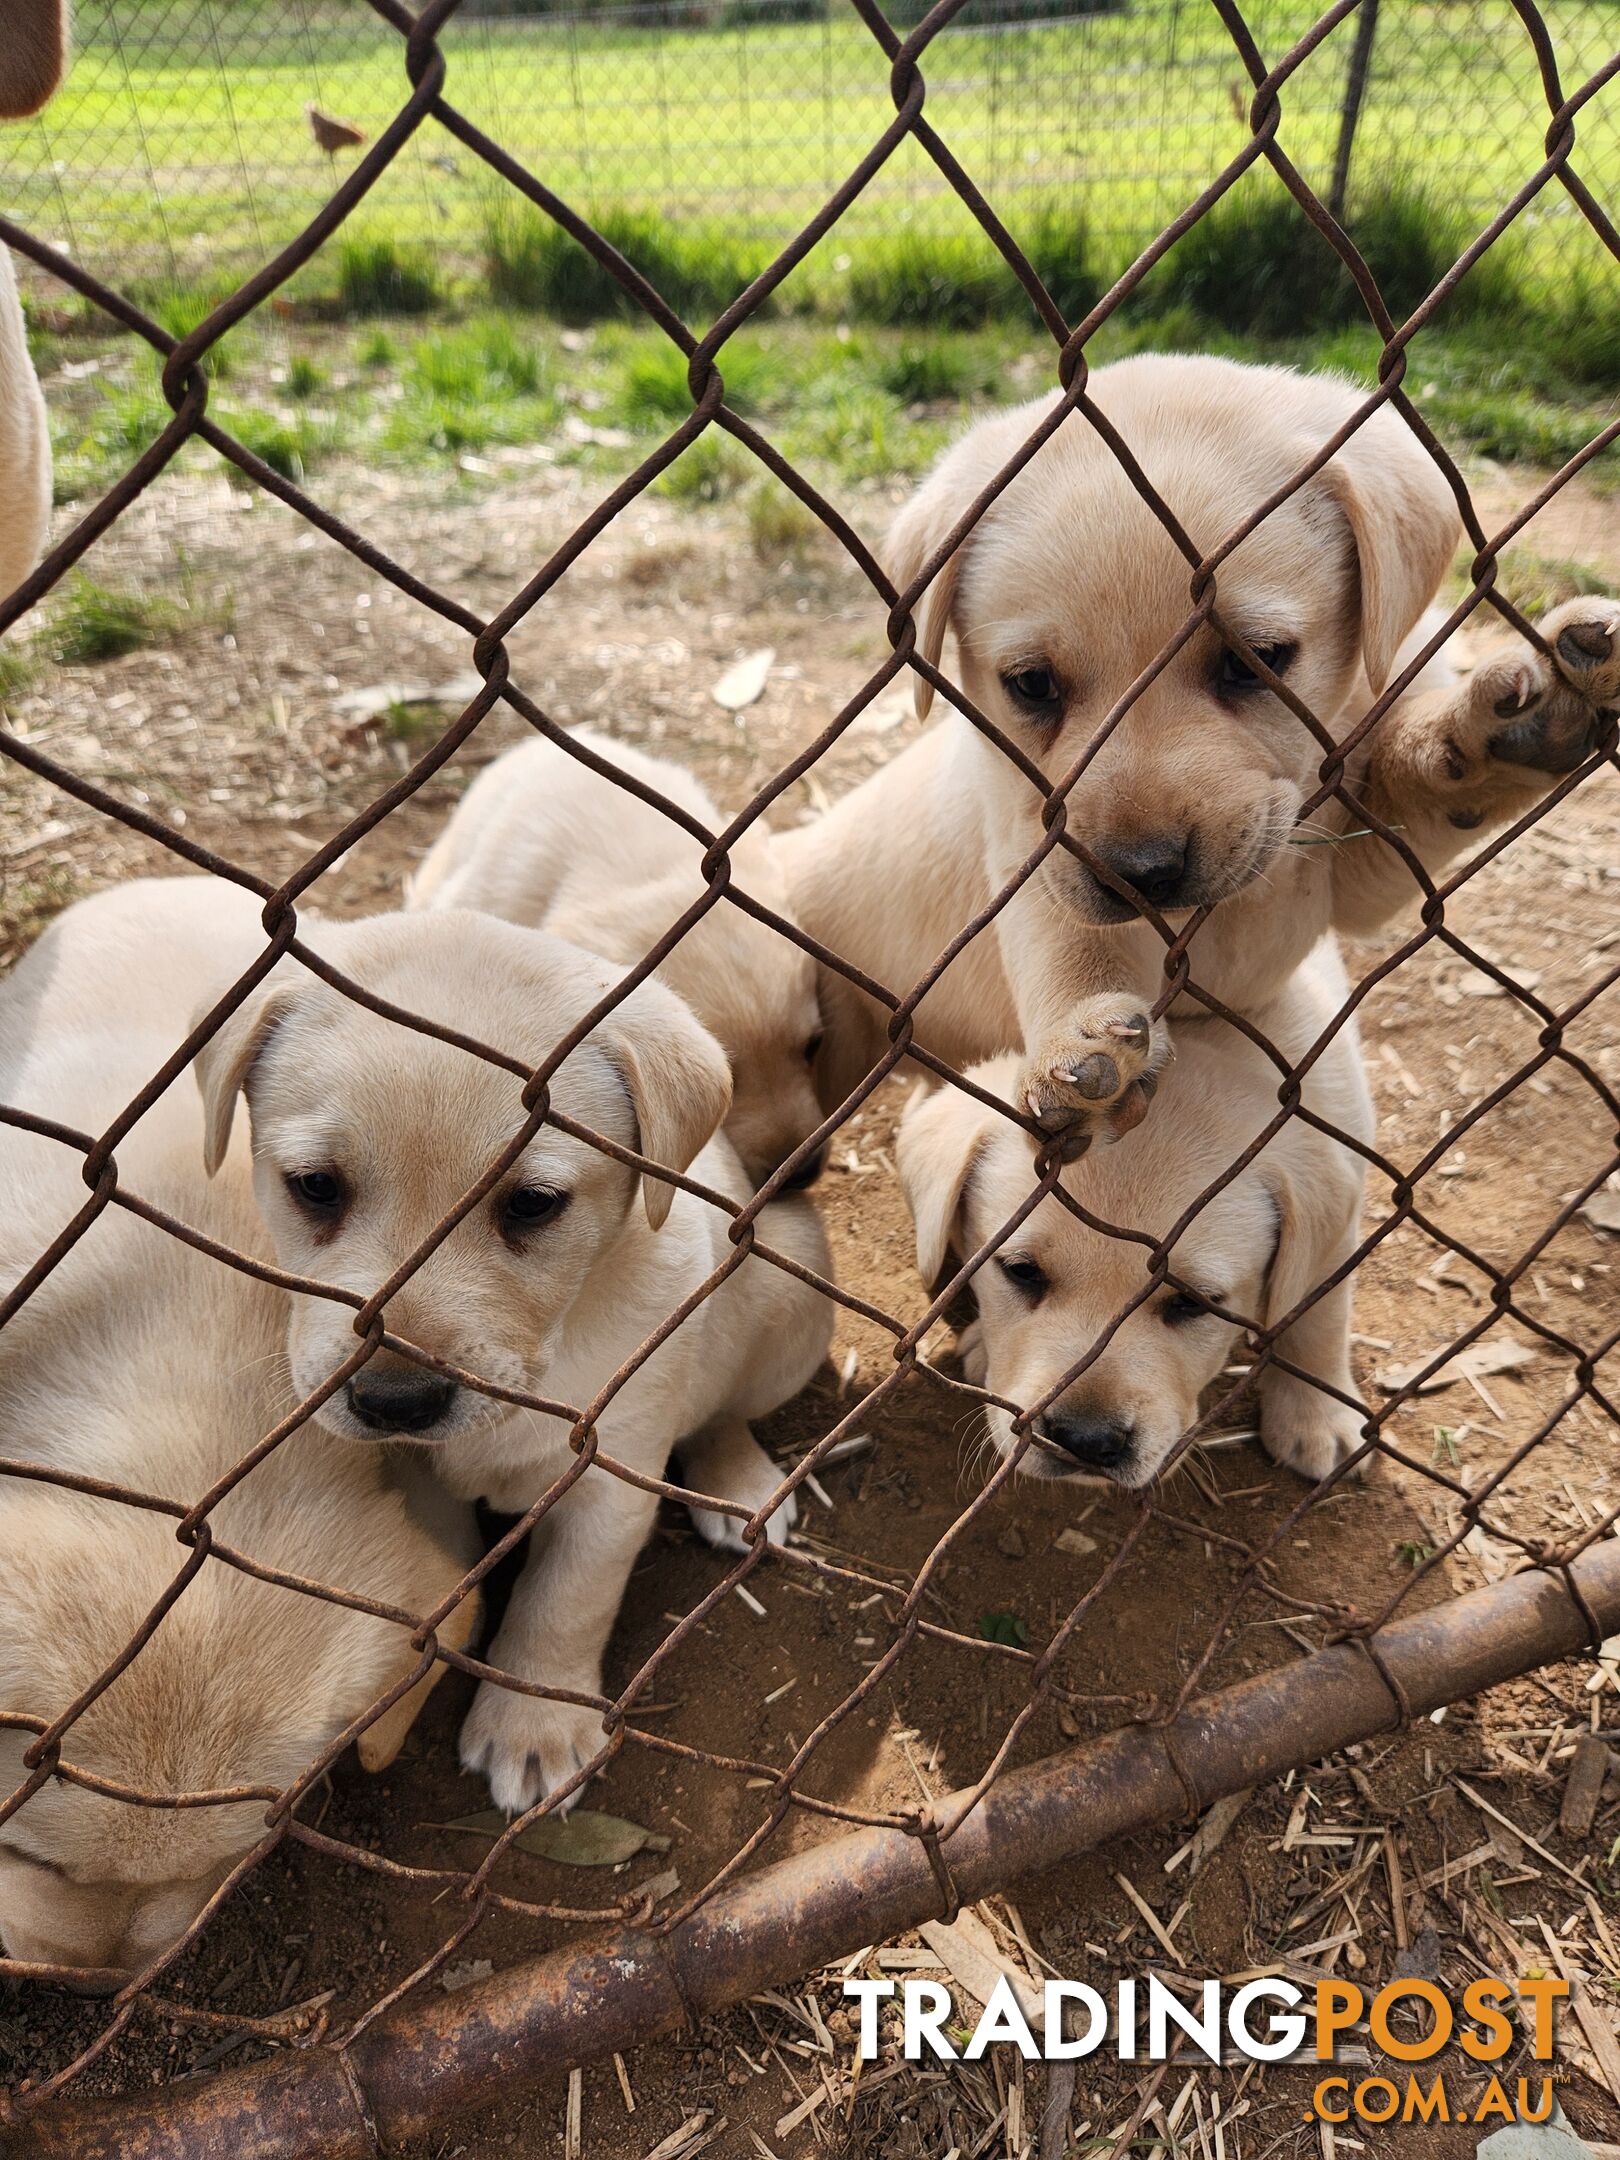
(1011, 1542)
(456, 1977)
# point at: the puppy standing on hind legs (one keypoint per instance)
(1064, 595)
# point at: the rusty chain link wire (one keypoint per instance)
(470, 1895)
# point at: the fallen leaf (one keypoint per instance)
(1491, 1354)
(742, 684)
(1074, 1541)
(583, 1839)
(456, 1977)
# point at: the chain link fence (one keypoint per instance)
(414, 2057)
(182, 145)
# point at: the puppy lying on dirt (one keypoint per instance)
(141, 1362)
(1262, 1243)
(367, 1135)
(539, 838)
(1062, 598)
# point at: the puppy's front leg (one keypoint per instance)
(555, 1631)
(1084, 995)
(1444, 763)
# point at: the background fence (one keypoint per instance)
(181, 143)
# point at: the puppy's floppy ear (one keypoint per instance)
(1311, 1224)
(919, 528)
(941, 1138)
(679, 1085)
(225, 1062)
(33, 54)
(1403, 518)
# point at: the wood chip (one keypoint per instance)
(973, 1958)
(1495, 1353)
(1593, 2021)
(1211, 1833)
(1523, 1836)
(1583, 1788)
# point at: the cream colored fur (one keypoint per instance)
(1069, 571)
(141, 1362)
(541, 839)
(1258, 1246)
(404, 1126)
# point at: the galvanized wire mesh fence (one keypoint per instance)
(182, 145)
(1574, 1598)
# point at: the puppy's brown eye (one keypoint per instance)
(526, 1207)
(1179, 1310)
(318, 1192)
(1236, 678)
(1027, 1276)
(812, 1045)
(1036, 690)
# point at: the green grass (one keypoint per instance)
(708, 471)
(380, 275)
(780, 528)
(18, 669)
(656, 391)
(753, 123)
(531, 262)
(93, 622)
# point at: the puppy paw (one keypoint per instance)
(725, 1532)
(1096, 1082)
(525, 1747)
(1521, 715)
(1309, 1433)
(725, 1460)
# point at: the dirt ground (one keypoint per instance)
(1374, 1863)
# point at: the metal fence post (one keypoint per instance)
(1355, 89)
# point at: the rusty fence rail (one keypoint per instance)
(1385, 1666)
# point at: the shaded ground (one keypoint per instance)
(236, 731)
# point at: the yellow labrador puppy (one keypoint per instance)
(367, 1134)
(142, 1363)
(1061, 598)
(1256, 1249)
(541, 839)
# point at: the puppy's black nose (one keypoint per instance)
(1096, 1443)
(397, 1402)
(808, 1171)
(1155, 867)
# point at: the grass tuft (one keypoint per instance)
(99, 622)
(780, 528)
(530, 262)
(708, 470)
(656, 391)
(1256, 265)
(938, 281)
(379, 276)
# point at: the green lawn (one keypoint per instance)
(164, 160)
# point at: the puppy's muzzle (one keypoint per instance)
(399, 1402)
(1156, 868)
(1087, 1443)
(808, 1171)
